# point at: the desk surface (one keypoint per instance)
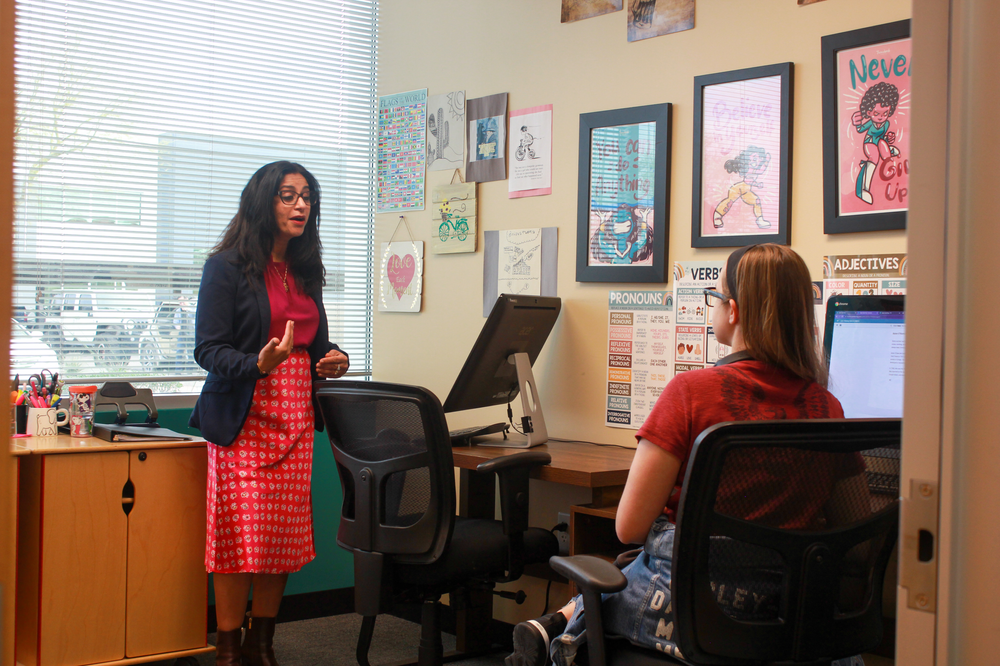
(22, 446)
(573, 463)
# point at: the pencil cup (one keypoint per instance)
(21, 415)
(81, 411)
(43, 421)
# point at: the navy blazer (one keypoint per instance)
(231, 327)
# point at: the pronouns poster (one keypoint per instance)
(640, 354)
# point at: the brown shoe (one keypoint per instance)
(227, 648)
(257, 647)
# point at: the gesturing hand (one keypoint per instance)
(333, 365)
(276, 351)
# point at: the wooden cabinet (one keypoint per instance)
(111, 556)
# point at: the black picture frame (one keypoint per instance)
(651, 271)
(781, 232)
(833, 221)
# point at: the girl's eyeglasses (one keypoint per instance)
(711, 295)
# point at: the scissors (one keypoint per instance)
(39, 387)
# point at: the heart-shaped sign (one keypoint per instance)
(690, 348)
(400, 271)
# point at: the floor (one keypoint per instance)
(331, 641)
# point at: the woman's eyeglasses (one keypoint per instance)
(711, 295)
(289, 197)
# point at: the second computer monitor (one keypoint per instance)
(864, 342)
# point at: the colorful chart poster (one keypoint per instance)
(530, 152)
(622, 173)
(741, 153)
(695, 344)
(860, 275)
(640, 354)
(873, 123)
(401, 143)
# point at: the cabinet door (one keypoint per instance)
(83, 543)
(167, 584)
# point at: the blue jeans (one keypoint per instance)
(642, 612)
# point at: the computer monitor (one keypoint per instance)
(499, 366)
(864, 342)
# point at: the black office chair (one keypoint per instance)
(393, 453)
(816, 593)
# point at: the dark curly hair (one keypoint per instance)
(624, 211)
(742, 162)
(251, 231)
(882, 93)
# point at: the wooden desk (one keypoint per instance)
(603, 469)
(110, 552)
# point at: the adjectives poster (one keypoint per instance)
(861, 275)
(640, 354)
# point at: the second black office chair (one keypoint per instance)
(746, 590)
(393, 453)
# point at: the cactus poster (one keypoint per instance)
(446, 131)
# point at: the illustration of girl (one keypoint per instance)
(872, 120)
(751, 164)
(624, 239)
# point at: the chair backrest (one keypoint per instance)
(393, 455)
(784, 532)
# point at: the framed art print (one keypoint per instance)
(623, 194)
(742, 157)
(866, 128)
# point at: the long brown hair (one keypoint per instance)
(777, 319)
(251, 231)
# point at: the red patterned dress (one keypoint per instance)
(259, 487)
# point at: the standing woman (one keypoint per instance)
(261, 333)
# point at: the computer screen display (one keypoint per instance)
(865, 347)
(516, 324)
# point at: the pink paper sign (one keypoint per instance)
(741, 153)
(873, 126)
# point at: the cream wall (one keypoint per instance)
(519, 47)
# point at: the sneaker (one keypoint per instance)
(531, 640)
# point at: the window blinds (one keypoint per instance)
(139, 122)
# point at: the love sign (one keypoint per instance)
(402, 276)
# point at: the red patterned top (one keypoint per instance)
(295, 305)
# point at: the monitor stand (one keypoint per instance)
(533, 420)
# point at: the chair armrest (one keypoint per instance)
(594, 576)
(589, 572)
(523, 459)
(514, 493)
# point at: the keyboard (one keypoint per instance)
(463, 436)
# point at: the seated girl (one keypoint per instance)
(762, 309)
